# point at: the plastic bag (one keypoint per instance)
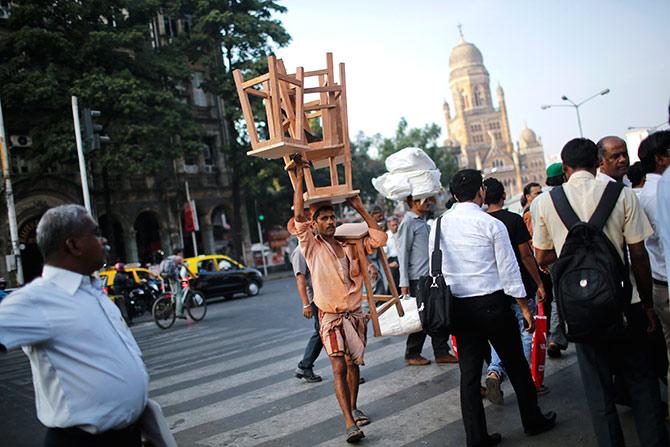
(424, 183)
(418, 184)
(390, 323)
(409, 159)
(392, 186)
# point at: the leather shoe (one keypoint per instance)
(494, 439)
(308, 375)
(417, 361)
(548, 422)
(445, 359)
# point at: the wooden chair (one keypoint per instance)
(353, 233)
(331, 149)
(279, 93)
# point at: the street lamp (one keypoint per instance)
(576, 106)
(647, 127)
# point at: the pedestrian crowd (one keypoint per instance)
(504, 269)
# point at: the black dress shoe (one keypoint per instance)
(547, 424)
(494, 439)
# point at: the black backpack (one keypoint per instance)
(591, 282)
(434, 299)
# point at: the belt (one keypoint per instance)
(659, 282)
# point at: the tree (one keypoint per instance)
(425, 138)
(365, 167)
(229, 35)
(101, 52)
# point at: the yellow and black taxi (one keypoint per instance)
(220, 275)
(138, 274)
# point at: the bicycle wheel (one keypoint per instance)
(163, 312)
(196, 305)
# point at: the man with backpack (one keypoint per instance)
(593, 292)
(170, 267)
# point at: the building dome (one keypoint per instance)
(465, 54)
(527, 138)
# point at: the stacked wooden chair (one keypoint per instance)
(292, 106)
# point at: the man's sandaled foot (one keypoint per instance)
(493, 391)
(360, 418)
(354, 434)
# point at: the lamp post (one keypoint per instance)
(576, 106)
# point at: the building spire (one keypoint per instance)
(460, 31)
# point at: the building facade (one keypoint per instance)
(479, 132)
(146, 212)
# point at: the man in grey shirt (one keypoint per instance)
(303, 282)
(413, 259)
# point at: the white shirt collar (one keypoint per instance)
(67, 280)
(413, 214)
(652, 178)
(468, 206)
(580, 175)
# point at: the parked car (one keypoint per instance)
(220, 275)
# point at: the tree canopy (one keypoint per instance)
(101, 52)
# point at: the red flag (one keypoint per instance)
(190, 217)
(454, 347)
(538, 355)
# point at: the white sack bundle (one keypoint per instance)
(409, 159)
(419, 184)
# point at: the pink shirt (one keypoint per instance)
(335, 291)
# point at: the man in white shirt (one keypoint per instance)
(598, 362)
(654, 153)
(479, 265)
(613, 160)
(391, 248)
(91, 385)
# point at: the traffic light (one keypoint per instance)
(261, 218)
(92, 131)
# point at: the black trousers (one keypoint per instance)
(75, 437)
(480, 320)
(416, 340)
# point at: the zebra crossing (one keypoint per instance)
(235, 387)
(228, 381)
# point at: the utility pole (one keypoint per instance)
(80, 154)
(9, 196)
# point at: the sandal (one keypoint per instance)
(360, 418)
(354, 434)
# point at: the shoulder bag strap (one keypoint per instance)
(563, 207)
(436, 258)
(606, 205)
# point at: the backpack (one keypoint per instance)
(591, 282)
(168, 268)
(434, 299)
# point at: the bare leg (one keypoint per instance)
(353, 374)
(342, 394)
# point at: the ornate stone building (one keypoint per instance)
(479, 133)
(147, 212)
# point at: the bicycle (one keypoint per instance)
(164, 309)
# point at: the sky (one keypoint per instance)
(397, 60)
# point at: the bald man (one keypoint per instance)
(613, 159)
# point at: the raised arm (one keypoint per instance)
(298, 164)
(356, 203)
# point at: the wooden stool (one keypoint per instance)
(353, 234)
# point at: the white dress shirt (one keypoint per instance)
(87, 368)
(635, 295)
(663, 216)
(606, 178)
(477, 255)
(648, 197)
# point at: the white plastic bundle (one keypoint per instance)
(411, 172)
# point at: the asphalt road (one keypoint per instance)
(227, 381)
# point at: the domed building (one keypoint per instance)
(479, 132)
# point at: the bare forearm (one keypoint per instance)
(545, 257)
(531, 267)
(369, 220)
(523, 304)
(301, 284)
(298, 199)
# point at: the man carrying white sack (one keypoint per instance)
(414, 178)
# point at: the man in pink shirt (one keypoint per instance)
(337, 282)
